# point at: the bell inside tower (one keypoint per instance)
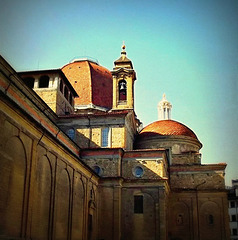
(122, 87)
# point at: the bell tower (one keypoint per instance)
(123, 82)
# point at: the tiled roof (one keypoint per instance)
(92, 82)
(167, 128)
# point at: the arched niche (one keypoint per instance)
(139, 222)
(42, 199)
(91, 223)
(210, 221)
(78, 207)
(179, 221)
(62, 203)
(13, 166)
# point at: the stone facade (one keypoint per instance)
(53, 87)
(46, 193)
(90, 174)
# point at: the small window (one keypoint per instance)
(71, 133)
(179, 219)
(234, 232)
(138, 204)
(233, 218)
(138, 171)
(210, 219)
(232, 204)
(29, 81)
(105, 137)
(97, 170)
(44, 82)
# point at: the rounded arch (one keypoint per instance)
(139, 212)
(62, 204)
(179, 221)
(122, 90)
(42, 198)
(13, 167)
(78, 206)
(210, 221)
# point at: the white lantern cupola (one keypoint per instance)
(164, 109)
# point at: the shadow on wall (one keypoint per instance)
(208, 220)
(80, 139)
(85, 142)
(144, 169)
(58, 192)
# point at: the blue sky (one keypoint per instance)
(187, 49)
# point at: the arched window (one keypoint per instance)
(44, 82)
(29, 81)
(179, 219)
(122, 87)
(71, 133)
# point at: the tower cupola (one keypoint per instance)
(123, 82)
(123, 61)
(164, 109)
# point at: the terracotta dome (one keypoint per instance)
(166, 128)
(92, 82)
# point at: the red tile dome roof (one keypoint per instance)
(167, 128)
(93, 83)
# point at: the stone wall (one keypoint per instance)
(198, 215)
(204, 176)
(44, 188)
(55, 100)
(46, 191)
(92, 137)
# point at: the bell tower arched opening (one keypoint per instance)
(122, 88)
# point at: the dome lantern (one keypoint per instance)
(164, 109)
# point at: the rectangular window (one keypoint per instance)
(210, 219)
(105, 137)
(233, 218)
(138, 204)
(232, 204)
(234, 232)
